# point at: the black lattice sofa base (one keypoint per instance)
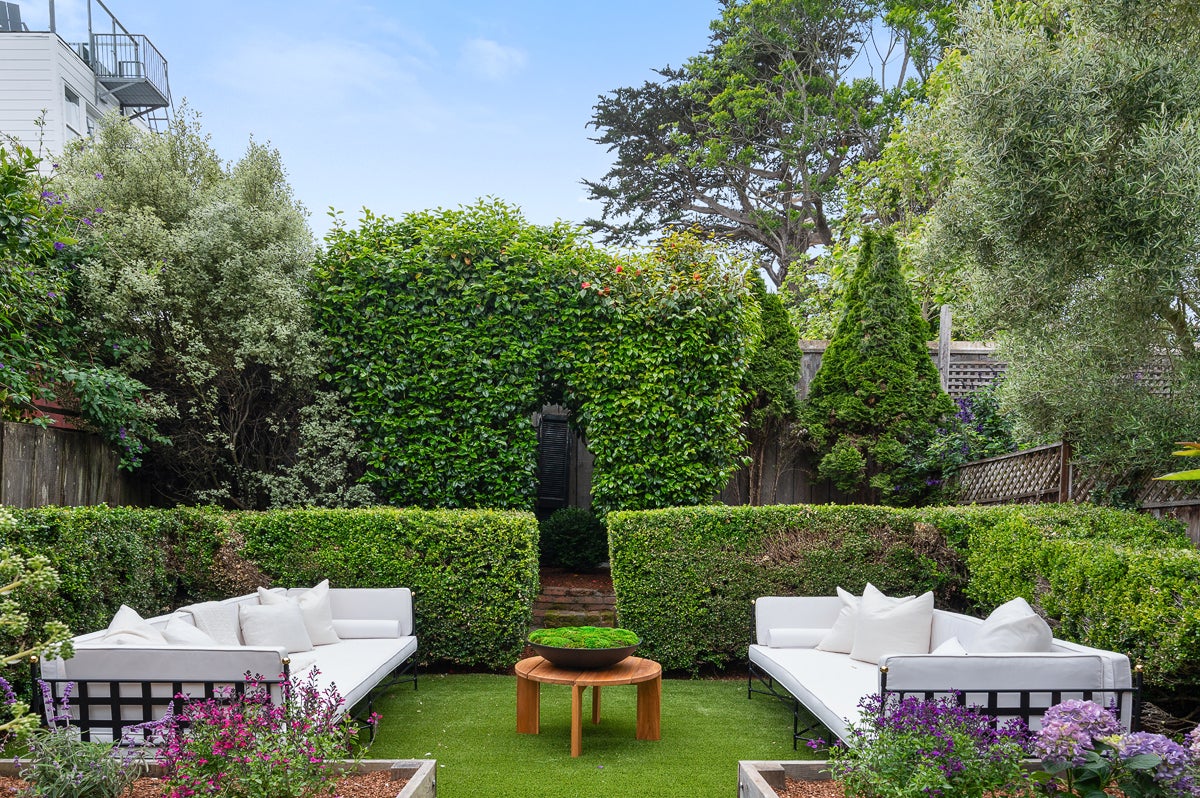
(1028, 705)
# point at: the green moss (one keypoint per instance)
(584, 637)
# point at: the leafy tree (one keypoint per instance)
(772, 374)
(196, 286)
(450, 327)
(1077, 202)
(42, 356)
(877, 395)
(750, 139)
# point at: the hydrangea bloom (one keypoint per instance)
(1172, 772)
(1069, 728)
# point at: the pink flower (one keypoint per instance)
(587, 285)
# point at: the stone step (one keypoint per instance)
(551, 619)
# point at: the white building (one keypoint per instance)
(72, 84)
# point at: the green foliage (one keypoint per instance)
(655, 374)
(877, 394)
(63, 766)
(473, 573)
(749, 139)
(1112, 587)
(1077, 203)
(977, 431)
(42, 354)
(584, 637)
(194, 283)
(573, 538)
(685, 577)
(450, 328)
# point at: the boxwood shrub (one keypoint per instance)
(474, 573)
(685, 578)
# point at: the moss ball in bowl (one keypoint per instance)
(583, 647)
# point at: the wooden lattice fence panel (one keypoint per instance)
(1029, 476)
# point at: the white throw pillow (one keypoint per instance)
(218, 620)
(840, 638)
(179, 632)
(951, 647)
(130, 629)
(314, 607)
(274, 625)
(1013, 626)
(891, 626)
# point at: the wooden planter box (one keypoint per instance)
(760, 778)
(421, 773)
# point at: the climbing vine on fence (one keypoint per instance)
(451, 327)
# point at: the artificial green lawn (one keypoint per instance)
(467, 722)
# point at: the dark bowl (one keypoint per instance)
(583, 659)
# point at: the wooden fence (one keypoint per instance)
(47, 466)
(1046, 474)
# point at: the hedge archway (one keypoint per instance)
(450, 327)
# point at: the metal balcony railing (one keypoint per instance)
(130, 67)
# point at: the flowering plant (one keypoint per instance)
(62, 765)
(246, 746)
(914, 747)
(1083, 753)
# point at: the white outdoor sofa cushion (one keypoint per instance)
(113, 686)
(831, 685)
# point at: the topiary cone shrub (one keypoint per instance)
(573, 538)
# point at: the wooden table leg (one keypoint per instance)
(595, 704)
(529, 704)
(649, 709)
(576, 719)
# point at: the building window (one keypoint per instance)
(71, 111)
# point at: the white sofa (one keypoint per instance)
(785, 662)
(117, 684)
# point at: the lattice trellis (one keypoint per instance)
(1029, 476)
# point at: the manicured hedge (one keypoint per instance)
(685, 578)
(1143, 600)
(474, 573)
(106, 557)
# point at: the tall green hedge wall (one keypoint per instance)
(474, 573)
(685, 578)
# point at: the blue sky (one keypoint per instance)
(413, 104)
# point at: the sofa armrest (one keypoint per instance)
(374, 604)
(1017, 671)
(793, 612)
(167, 663)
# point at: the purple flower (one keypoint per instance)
(99, 175)
(1171, 772)
(86, 221)
(1069, 729)
(59, 246)
(98, 211)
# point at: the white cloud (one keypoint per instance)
(491, 60)
(320, 72)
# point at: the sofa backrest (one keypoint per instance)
(374, 603)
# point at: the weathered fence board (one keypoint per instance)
(50, 466)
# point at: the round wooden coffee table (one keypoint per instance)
(645, 673)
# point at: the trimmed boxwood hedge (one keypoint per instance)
(474, 573)
(685, 578)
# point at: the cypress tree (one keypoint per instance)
(877, 395)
